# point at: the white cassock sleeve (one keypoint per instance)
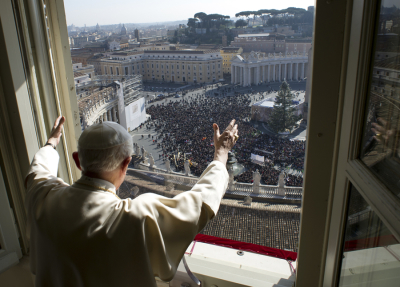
(170, 224)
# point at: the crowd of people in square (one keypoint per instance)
(185, 132)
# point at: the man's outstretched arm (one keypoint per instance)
(45, 162)
(214, 180)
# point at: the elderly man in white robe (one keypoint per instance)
(85, 235)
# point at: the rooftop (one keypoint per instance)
(81, 54)
(208, 46)
(127, 53)
(265, 103)
(78, 74)
(253, 35)
(182, 52)
(389, 63)
(230, 49)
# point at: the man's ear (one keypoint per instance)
(125, 164)
(76, 159)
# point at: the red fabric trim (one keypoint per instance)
(372, 242)
(274, 252)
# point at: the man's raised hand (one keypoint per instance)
(224, 142)
(55, 133)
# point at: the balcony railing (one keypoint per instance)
(235, 189)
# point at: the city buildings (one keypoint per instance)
(114, 45)
(104, 104)
(81, 56)
(257, 42)
(123, 30)
(137, 35)
(263, 42)
(227, 53)
(80, 41)
(84, 77)
(179, 66)
(151, 46)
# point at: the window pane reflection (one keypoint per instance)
(370, 253)
(380, 149)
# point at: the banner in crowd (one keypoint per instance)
(257, 158)
(135, 114)
(264, 151)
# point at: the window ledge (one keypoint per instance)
(378, 266)
(222, 266)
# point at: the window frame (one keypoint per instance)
(35, 92)
(331, 33)
(10, 250)
(63, 82)
(351, 170)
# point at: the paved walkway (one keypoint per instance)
(148, 144)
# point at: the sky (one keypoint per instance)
(104, 12)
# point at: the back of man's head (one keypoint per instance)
(103, 147)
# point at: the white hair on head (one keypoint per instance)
(102, 160)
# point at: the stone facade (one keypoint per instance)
(180, 66)
(102, 105)
(259, 68)
(114, 45)
(265, 44)
(227, 54)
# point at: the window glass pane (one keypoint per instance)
(380, 147)
(370, 253)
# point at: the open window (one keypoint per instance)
(341, 192)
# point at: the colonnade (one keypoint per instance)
(102, 105)
(256, 69)
(110, 115)
(100, 113)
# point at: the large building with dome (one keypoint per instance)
(123, 30)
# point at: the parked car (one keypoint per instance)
(177, 96)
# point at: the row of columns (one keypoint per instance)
(266, 73)
(109, 115)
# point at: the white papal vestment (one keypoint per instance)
(81, 235)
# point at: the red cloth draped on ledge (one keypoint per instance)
(274, 252)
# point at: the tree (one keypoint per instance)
(216, 20)
(264, 15)
(192, 23)
(245, 14)
(282, 117)
(240, 23)
(201, 16)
